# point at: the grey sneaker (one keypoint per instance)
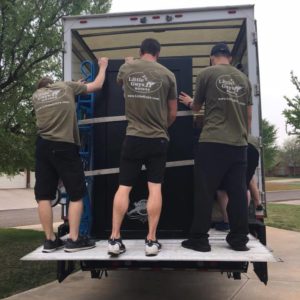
(50, 246)
(115, 247)
(82, 243)
(152, 247)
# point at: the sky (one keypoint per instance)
(278, 47)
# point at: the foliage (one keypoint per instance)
(290, 152)
(30, 47)
(292, 113)
(270, 148)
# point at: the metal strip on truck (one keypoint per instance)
(170, 164)
(183, 113)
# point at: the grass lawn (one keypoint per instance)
(15, 275)
(282, 186)
(284, 216)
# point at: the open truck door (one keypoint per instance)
(186, 36)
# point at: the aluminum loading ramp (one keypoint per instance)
(171, 251)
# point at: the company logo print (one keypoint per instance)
(139, 212)
(230, 85)
(144, 82)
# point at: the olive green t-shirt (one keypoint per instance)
(226, 93)
(55, 111)
(148, 86)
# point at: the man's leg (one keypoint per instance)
(74, 214)
(237, 207)
(210, 167)
(46, 218)
(222, 199)
(120, 207)
(254, 191)
(154, 205)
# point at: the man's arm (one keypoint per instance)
(188, 101)
(172, 111)
(99, 80)
(249, 117)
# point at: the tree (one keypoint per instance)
(291, 153)
(270, 148)
(30, 46)
(292, 113)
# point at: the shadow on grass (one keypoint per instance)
(15, 275)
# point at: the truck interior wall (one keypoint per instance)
(187, 41)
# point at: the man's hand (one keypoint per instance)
(103, 62)
(185, 99)
(129, 59)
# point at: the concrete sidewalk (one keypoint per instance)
(17, 199)
(284, 281)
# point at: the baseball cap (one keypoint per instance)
(220, 48)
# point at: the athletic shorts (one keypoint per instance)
(54, 161)
(138, 151)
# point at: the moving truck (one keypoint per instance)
(186, 37)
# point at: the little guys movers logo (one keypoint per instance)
(231, 85)
(146, 82)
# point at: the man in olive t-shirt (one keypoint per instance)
(150, 106)
(57, 155)
(221, 155)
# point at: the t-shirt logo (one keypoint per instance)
(48, 95)
(144, 82)
(231, 85)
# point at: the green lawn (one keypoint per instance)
(15, 275)
(284, 216)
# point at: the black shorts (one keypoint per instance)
(136, 151)
(252, 162)
(54, 161)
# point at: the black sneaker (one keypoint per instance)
(239, 247)
(82, 243)
(222, 226)
(152, 247)
(50, 246)
(201, 244)
(237, 241)
(115, 247)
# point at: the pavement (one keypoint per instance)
(19, 208)
(17, 199)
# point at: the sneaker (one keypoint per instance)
(115, 247)
(152, 247)
(237, 242)
(222, 226)
(82, 243)
(239, 247)
(201, 245)
(50, 246)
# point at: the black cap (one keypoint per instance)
(220, 48)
